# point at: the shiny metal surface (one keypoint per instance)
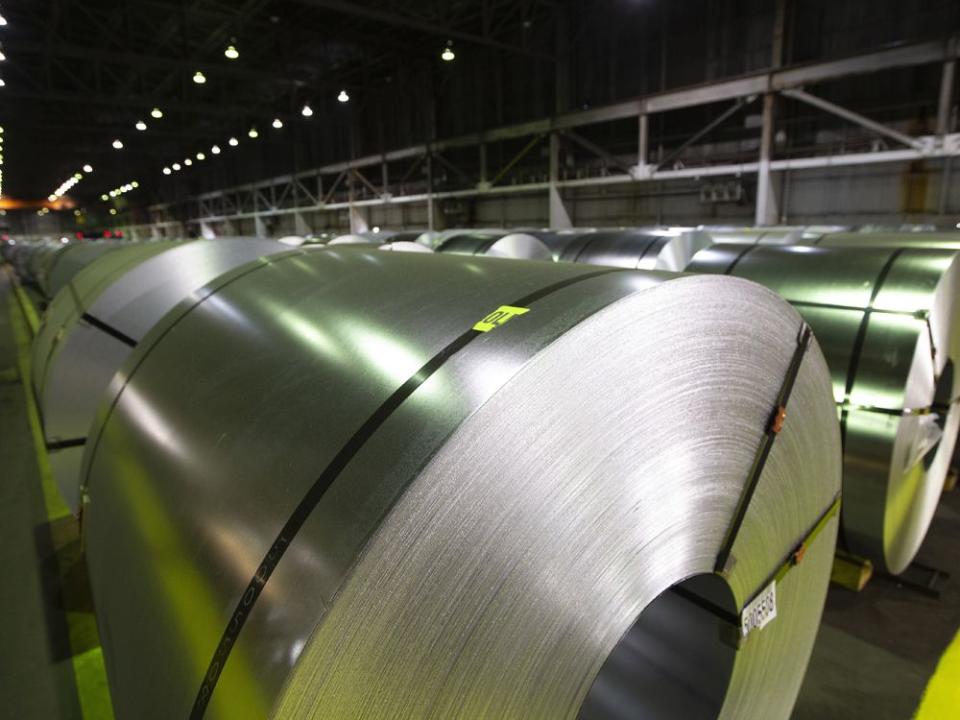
(756, 235)
(894, 463)
(357, 239)
(127, 290)
(641, 249)
(405, 246)
(485, 550)
(518, 245)
(68, 262)
(941, 240)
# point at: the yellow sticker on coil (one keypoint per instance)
(499, 317)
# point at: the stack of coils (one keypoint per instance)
(348, 483)
(641, 249)
(92, 325)
(518, 245)
(887, 320)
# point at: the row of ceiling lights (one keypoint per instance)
(117, 192)
(68, 184)
(199, 78)
(3, 23)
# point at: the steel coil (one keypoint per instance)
(940, 240)
(92, 324)
(641, 249)
(350, 483)
(63, 265)
(887, 319)
(519, 245)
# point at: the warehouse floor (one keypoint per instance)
(875, 653)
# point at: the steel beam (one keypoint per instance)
(405, 21)
(853, 117)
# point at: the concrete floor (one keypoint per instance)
(874, 653)
(36, 672)
(877, 649)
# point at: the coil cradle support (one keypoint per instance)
(492, 542)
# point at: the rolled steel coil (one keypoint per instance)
(519, 245)
(888, 322)
(64, 264)
(92, 325)
(642, 249)
(349, 483)
(939, 240)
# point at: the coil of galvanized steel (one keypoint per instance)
(935, 240)
(888, 322)
(520, 245)
(642, 249)
(92, 325)
(362, 484)
(63, 265)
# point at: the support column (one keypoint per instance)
(945, 106)
(300, 226)
(559, 218)
(431, 225)
(766, 210)
(260, 226)
(643, 145)
(766, 200)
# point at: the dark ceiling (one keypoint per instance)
(81, 73)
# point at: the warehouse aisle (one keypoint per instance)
(47, 639)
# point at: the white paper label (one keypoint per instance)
(760, 611)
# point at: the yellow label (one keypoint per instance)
(499, 317)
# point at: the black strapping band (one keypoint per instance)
(860, 339)
(763, 452)
(109, 330)
(64, 444)
(320, 486)
(740, 256)
(793, 558)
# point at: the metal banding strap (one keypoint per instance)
(646, 250)
(774, 425)
(316, 492)
(793, 558)
(109, 330)
(736, 261)
(859, 341)
(54, 445)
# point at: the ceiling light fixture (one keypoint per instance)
(231, 52)
(167, 171)
(188, 162)
(343, 97)
(2, 56)
(201, 156)
(215, 149)
(253, 133)
(117, 145)
(88, 168)
(448, 55)
(176, 167)
(307, 110)
(233, 142)
(156, 113)
(199, 78)
(277, 123)
(141, 125)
